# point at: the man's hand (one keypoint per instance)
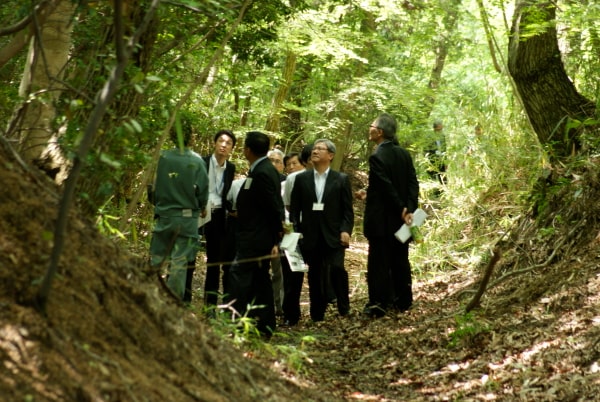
(345, 239)
(288, 228)
(275, 251)
(203, 213)
(360, 195)
(407, 217)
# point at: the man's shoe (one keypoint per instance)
(289, 323)
(374, 311)
(344, 312)
(402, 308)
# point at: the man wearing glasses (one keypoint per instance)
(391, 197)
(321, 209)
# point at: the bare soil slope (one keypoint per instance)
(111, 332)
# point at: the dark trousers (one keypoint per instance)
(389, 273)
(216, 244)
(326, 264)
(438, 167)
(292, 289)
(250, 284)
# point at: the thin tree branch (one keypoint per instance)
(484, 281)
(37, 9)
(18, 26)
(22, 36)
(489, 35)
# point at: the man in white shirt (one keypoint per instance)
(321, 210)
(292, 281)
(220, 176)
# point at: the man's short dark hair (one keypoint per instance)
(290, 156)
(257, 142)
(227, 133)
(305, 154)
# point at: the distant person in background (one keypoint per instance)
(220, 176)
(293, 170)
(180, 195)
(476, 157)
(276, 157)
(391, 198)
(259, 231)
(292, 281)
(321, 210)
(436, 153)
(474, 141)
(292, 163)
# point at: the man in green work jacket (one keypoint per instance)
(179, 196)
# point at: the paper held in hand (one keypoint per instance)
(203, 221)
(403, 234)
(289, 245)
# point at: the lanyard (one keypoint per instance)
(217, 185)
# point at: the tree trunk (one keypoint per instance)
(441, 51)
(47, 57)
(273, 122)
(548, 95)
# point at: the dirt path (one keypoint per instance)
(535, 339)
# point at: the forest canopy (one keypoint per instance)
(91, 89)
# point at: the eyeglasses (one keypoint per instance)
(320, 149)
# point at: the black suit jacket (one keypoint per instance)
(227, 180)
(393, 186)
(337, 215)
(259, 211)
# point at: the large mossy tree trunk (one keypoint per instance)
(549, 97)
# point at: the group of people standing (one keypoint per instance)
(248, 217)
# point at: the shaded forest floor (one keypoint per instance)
(112, 332)
(536, 338)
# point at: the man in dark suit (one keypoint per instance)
(259, 231)
(220, 175)
(391, 197)
(321, 209)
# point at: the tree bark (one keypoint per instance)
(48, 54)
(548, 95)
(289, 68)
